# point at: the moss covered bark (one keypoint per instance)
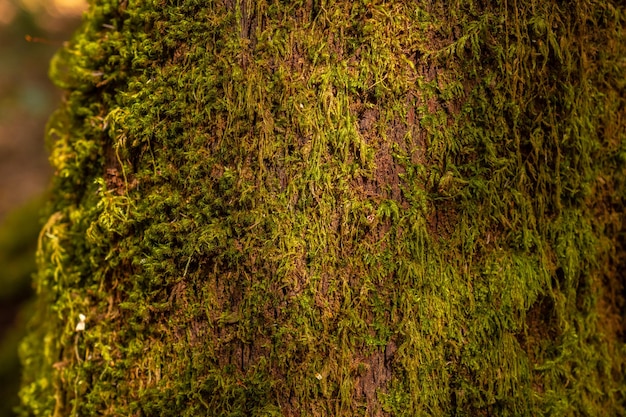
(335, 208)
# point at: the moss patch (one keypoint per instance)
(335, 208)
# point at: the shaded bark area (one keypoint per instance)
(334, 208)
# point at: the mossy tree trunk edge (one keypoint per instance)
(335, 208)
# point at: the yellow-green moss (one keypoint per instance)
(335, 208)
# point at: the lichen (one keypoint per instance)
(335, 208)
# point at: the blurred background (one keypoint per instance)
(30, 33)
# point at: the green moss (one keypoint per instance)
(345, 208)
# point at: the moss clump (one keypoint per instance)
(337, 208)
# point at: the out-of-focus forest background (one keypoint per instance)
(30, 33)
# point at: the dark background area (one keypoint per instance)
(31, 31)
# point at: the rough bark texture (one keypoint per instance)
(335, 208)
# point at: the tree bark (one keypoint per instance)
(335, 208)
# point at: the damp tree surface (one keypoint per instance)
(335, 208)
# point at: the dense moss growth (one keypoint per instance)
(335, 208)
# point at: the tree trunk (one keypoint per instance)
(335, 208)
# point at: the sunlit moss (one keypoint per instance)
(349, 208)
